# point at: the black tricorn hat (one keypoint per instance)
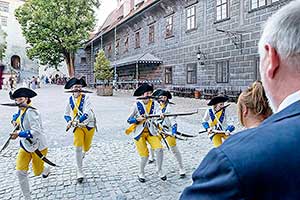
(217, 99)
(160, 92)
(145, 87)
(75, 81)
(22, 92)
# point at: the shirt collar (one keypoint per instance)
(292, 98)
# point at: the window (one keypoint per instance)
(222, 72)
(256, 69)
(169, 27)
(126, 43)
(151, 34)
(191, 18)
(3, 20)
(168, 75)
(257, 3)
(191, 73)
(137, 40)
(109, 49)
(4, 6)
(222, 10)
(83, 60)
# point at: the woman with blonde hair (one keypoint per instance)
(253, 106)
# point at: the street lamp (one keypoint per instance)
(201, 56)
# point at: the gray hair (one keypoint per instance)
(282, 32)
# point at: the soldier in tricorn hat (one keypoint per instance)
(79, 110)
(215, 119)
(32, 139)
(143, 132)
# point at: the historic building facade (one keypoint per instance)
(15, 59)
(202, 44)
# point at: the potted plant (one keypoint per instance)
(103, 74)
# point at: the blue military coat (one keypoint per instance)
(259, 163)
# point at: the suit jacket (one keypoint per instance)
(259, 163)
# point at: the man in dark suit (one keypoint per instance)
(263, 162)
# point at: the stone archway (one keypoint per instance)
(15, 62)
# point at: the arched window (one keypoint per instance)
(16, 62)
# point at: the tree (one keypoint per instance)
(103, 71)
(55, 29)
(2, 44)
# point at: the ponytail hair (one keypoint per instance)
(255, 99)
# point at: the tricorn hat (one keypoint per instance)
(75, 81)
(217, 99)
(22, 92)
(160, 92)
(145, 87)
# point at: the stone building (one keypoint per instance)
(202, 44)
(15, 59)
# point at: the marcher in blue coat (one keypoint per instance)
(263, 162)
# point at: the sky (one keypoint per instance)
(106, 7)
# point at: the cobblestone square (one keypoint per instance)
(111, 165)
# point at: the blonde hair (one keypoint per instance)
(255, 99)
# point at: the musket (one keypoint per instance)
(8, 140)
(185, 135)
(82, 91)
(70, 124)
(148, 97)
(171, 115)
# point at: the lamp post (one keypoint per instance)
(201, 56)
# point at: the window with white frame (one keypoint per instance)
(168, 75)
(4, 6)
(257, 3)
(3, 20)
(222, 71)
(191, 18)
(222, 10)
(191, 73)
(151, 33)
(169, 26)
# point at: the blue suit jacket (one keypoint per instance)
(259, 163)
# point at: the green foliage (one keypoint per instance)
(3, 44)
(103, 71)
(55, 29)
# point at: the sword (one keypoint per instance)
(160, 132)
(41, 156)
(17, 105)
(185, 135)
(8, 140)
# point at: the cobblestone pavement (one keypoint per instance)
(111, 165)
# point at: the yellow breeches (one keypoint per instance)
(218, 139)
(170, 140)
(83, 138)
(141, 144)
(24, 158)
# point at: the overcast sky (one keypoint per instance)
(104, 10)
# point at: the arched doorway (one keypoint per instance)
(16, 62)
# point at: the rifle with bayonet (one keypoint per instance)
(170, 114)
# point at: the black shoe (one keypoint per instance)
(182, 175)
(142, 180)
(80, 180)
(151, 161)
(164, 178)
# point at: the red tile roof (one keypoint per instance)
(116, 17)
